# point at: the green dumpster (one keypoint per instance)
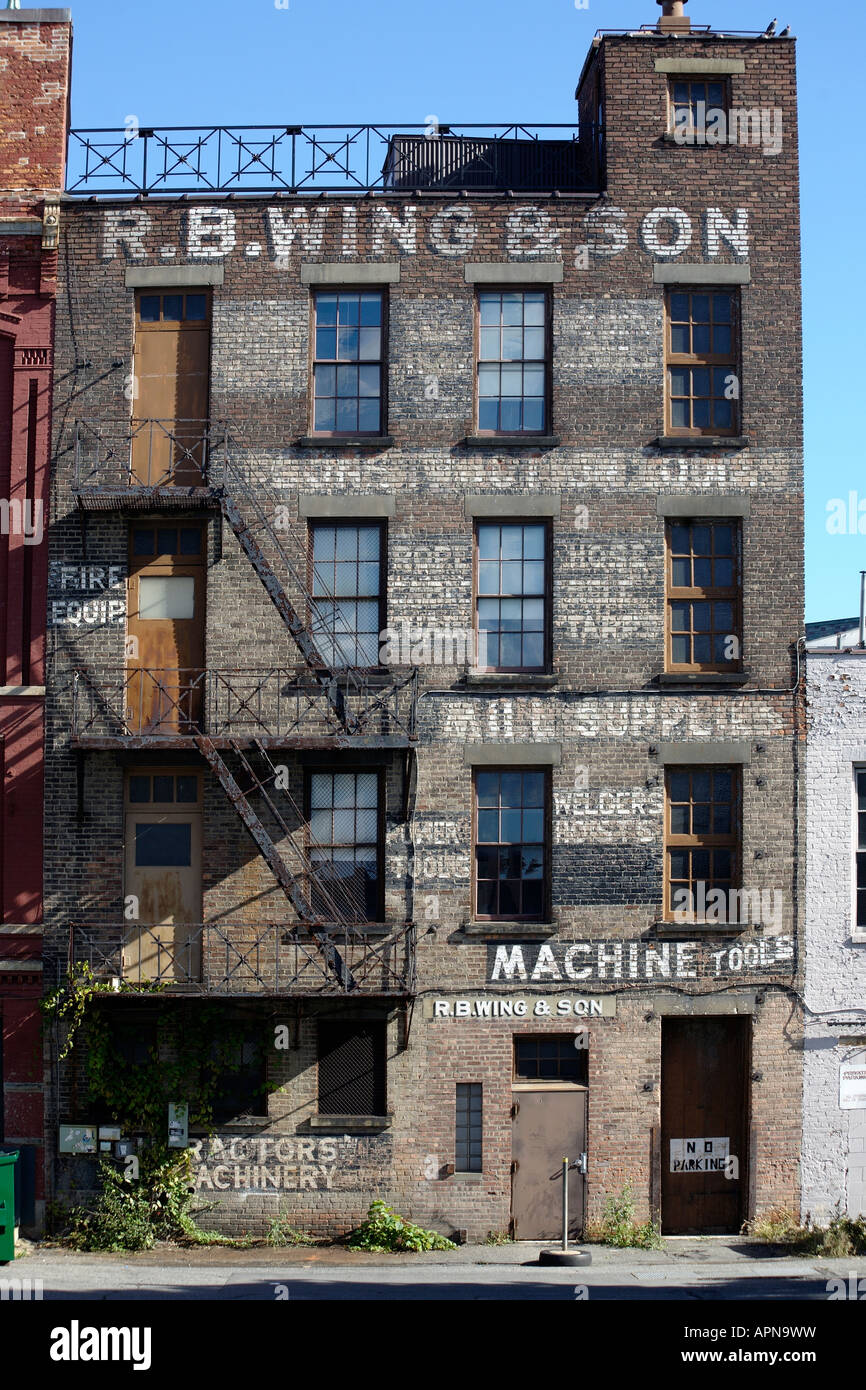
(7, 1206)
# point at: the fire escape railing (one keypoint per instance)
(347, 159)
(155, 704)
(272, 703)
(243, 958)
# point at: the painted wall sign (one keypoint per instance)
(529, 1006)
(78, 597)
(699, 1155)
(637, 961)
(288, 1163)
(529, 232)
(852, 1084)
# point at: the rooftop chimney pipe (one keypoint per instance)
(862, 642)
(673, 19)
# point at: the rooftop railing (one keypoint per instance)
(347, 159)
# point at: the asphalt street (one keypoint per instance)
(693, 1270)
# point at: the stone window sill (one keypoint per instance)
(537, 679)
(511, 441)
(701, 441)
(723, 678)
(474, 1179)
(346, 441)
(705, 928)
(517, 931)
(349, 1124)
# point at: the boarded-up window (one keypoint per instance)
(351, 1068)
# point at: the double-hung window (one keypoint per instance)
(346, 844)
(348, 363)
(703, 381)
(511, 603)
(511, 843)
(512, 362)
(703, 596)
(860, 853)
(702, 840)
(348, 604)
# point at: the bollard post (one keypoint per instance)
(565, 1204)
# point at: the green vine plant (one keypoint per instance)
(193, 1046)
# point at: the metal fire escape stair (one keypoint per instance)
(290, 882)
(250, 505)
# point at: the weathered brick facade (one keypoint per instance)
(34, 102)
(601, 722)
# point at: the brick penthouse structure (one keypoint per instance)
(426, 579)
(34, 111)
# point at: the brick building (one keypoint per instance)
(834, 1053)
(426, 579)
(34, 108)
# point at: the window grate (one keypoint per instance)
(351, 1069)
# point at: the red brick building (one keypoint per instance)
(35, 48)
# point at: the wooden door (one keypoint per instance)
(162, 875)
(704, 1125)
(170, 405)
(548, 1125)
(165, 627)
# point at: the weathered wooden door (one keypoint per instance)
(548, 1125)
(170, 384)
(162, 877)
(165, 627)
(704, 1125)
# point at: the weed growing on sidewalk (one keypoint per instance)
(384, 1230)
(843, 1236)
(619, 1228)
(281, 1233)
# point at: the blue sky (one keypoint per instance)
(194, 62)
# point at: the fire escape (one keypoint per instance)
(236, 721)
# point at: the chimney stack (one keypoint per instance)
(673, 19)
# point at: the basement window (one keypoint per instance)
(352, 1068)
(241, 1081)
(468, 1131)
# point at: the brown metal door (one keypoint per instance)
(162, 875)
(170, 405)
(703, 1131)
(549, 1125)
(165, 628)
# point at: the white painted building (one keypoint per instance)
(834, 1073)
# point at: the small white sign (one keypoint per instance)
(77, 1139)
(852, 1083)
(699, 1155)
(178, 1124)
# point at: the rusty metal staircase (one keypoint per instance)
(251, 505)
(292, 882)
